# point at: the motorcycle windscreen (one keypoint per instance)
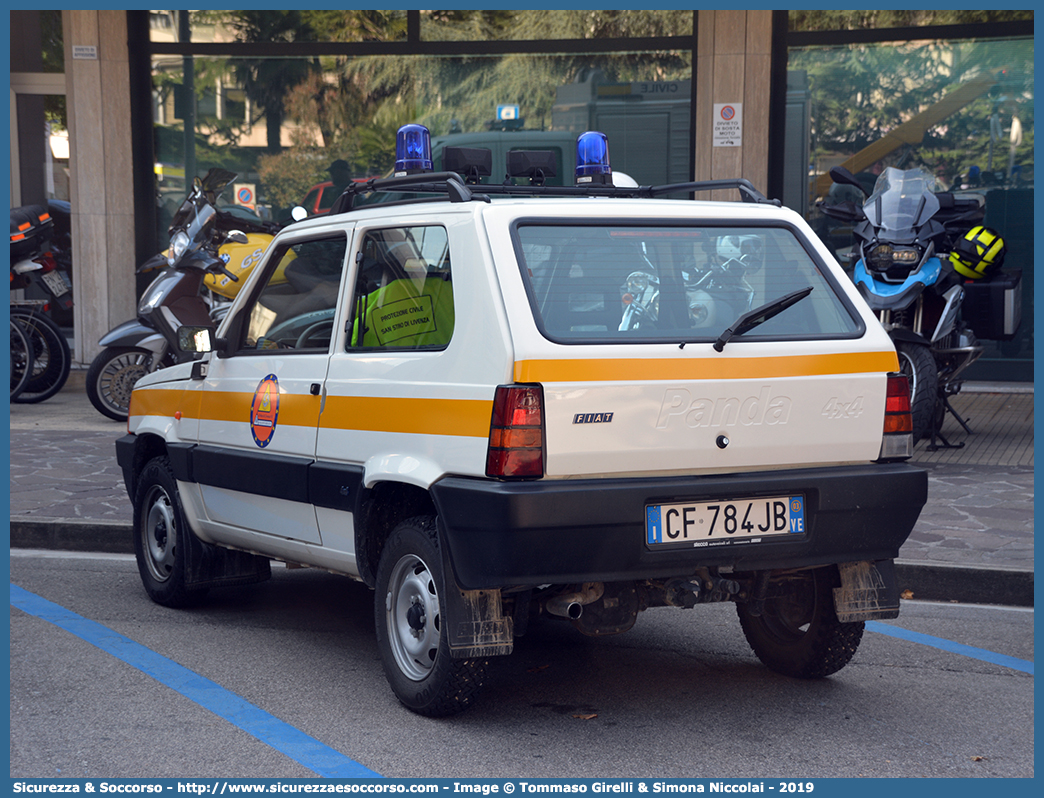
(648, 376)
(902, 200)
(195, 217)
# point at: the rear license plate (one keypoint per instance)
(722, 522)
(54, 281)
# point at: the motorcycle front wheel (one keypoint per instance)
(111, 378)
(918, 364)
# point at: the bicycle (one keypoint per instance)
(22, 358)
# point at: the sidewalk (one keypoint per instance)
(973, 542)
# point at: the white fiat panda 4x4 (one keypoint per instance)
(493, 402)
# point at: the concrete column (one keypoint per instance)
(101, 180)
(733, 65)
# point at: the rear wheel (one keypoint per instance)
(411, 633)
(797, 632)
(111, 378)
(917, 363)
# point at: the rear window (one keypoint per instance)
(602, 283)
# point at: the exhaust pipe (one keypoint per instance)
(571, 605)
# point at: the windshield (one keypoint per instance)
(600, 283)
(902, 199)
(215, 180)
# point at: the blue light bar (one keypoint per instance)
(412, 150)
(592, 158)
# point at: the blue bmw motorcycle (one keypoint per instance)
(905, 231)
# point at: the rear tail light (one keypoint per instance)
(897, 441)
(516, 433)
(47, 261)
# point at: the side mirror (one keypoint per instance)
(237, 236)
(195, 339)
(841, 175)
(199, 340)
(298, 213)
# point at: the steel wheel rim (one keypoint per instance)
(159, 534)
(117, 379)
(413, 618)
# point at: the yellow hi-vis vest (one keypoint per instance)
(397, 316)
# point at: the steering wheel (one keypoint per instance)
(311, 330)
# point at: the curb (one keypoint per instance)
(982, 584)
(64, 534)
(925, 581)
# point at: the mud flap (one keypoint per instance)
(213, 566)
(476, 626)
(869, 591)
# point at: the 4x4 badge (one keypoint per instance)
(264, 411)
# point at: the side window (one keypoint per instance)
(295, 307)
(403, 297)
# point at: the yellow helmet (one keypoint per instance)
(978, 254)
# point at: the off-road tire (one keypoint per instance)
(160, 537)
(411, 634)
(918, 364)
(798, 633)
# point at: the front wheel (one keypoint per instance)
(918, 364)
(111, 378)
(411, 631)
(797, 632)
(161, 537)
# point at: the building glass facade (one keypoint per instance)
(960, 108)
(278, 96)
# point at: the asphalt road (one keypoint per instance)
(680, 695)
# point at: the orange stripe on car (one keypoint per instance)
(300, 410)
(703, 368)
(164, 402)
(464, 417)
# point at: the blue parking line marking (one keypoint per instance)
(314, 755)
(954, 648)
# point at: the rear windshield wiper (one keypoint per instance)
(752, 318)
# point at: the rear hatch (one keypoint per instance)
(624, 320)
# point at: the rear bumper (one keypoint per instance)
(500, 534)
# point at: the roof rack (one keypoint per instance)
(457, 189)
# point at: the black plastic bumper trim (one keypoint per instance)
(301, 479)
(567, 531)
(261, 473)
